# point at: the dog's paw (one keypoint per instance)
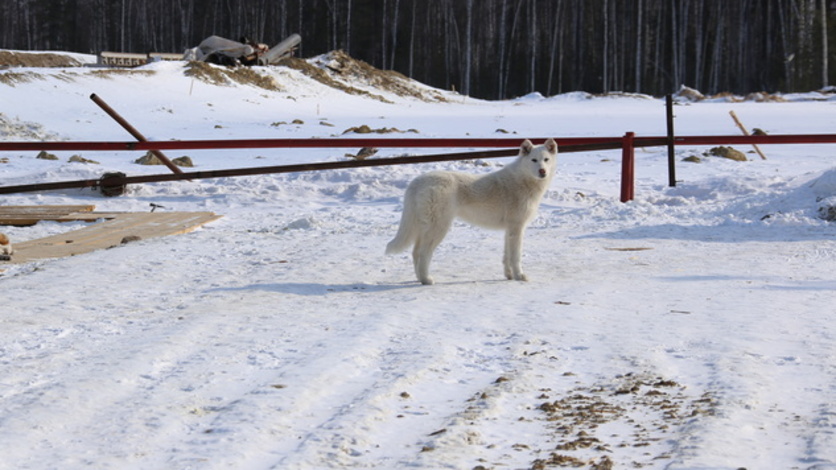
(518, 277)
(427, 281)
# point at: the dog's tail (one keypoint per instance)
(406, 232)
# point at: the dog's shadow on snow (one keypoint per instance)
(319, 289)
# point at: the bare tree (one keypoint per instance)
(824, 43)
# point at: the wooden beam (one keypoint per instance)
(30, 215)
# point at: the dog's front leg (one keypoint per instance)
(512, 261)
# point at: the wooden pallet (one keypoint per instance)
(117, 228)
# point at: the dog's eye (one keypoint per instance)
(545, 159)
(534, 160)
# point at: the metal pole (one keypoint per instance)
(671, 155)
(135, 133)
(628, 167)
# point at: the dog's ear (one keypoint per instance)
(526, 147)
(551, 145)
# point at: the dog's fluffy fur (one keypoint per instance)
(505, 199)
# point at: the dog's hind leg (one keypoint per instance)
(512, 260)
(425, 245)
(422, 254)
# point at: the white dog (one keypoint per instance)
(505, 199)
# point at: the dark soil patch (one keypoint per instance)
(651, 407)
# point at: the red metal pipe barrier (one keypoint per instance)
(342, 142)
(318, 166)
(408, 142)
(567, 144)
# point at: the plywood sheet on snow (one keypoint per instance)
(111, 233)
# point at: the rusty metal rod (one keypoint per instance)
(315, 142)
(406, 142)
(300, 167)
(135, 133)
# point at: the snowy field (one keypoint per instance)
(692, 328)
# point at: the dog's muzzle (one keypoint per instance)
(543, 173)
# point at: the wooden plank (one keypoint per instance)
(110, 233)
(30, 215)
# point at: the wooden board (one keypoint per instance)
(110, 233)
(30, 215)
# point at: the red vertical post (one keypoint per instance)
(628, 167)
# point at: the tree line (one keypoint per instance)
(484, 48)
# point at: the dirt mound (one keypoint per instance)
(339, 70)
(325, 78)
(218, 75)
(36, 59)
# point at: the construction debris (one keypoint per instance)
(222, 51)
(214, 49)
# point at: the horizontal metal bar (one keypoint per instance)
(753, 139)
(283, 143)
(401, 142)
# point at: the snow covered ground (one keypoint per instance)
(689, 329)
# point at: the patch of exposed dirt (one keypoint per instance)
(325, 78)
(345, 67)
(590, 422)
(36, 59)
(727, 152)
(222, 76)
(338, 70)
(110, 73)
(12, 78)
(365, 129)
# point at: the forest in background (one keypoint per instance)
(490, 49)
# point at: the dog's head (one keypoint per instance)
(540, 159)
